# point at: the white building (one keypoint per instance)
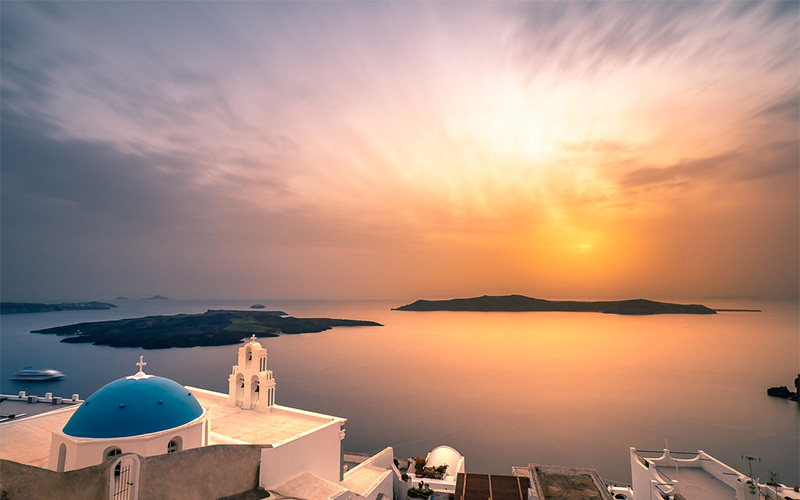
(137, 436)
(671, 475)
(140, 414)
(442, 456)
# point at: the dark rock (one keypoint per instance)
(29, 307)
(780, 392)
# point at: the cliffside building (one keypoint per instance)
(147, 437)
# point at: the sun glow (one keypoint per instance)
(520, 146)
(515, 121)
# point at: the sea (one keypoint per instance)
(504, 389)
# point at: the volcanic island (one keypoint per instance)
(521, 303)
(214, 327)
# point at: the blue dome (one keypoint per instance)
(131, 407)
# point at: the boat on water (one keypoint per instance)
(33, 374)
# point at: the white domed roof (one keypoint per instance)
(444, 455)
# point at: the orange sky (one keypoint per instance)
(405, 149)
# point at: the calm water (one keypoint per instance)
(502, 388)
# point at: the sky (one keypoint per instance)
(354, 149)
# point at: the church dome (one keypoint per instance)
(132, 406)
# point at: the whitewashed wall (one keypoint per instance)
(83, 452)
(318, 453)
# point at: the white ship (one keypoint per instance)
(32, 374)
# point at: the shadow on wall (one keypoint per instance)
(216, 471)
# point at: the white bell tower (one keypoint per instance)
(250, 384)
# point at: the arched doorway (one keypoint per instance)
(62, 457)
(124, 478)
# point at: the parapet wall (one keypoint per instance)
(25, 482)
(208, 472)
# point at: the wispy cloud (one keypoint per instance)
(683, 171)
(786, 108)
(282, 131)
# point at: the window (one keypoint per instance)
(113, 451)
(175, 444)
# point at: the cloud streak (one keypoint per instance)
(334, 140)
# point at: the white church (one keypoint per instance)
(147, 437)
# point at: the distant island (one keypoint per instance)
(258, 306)
(122, 298)
(521, 303)
(215, 327)
(156, 297)
(30, 307)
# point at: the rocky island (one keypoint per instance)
(784, 392)
(31, 307)
(521, 303)
(192, 330)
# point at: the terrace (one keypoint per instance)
(696, 475)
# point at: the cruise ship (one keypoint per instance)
(33, 374)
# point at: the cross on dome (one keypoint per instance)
(140, 374)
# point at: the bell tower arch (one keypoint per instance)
(250, 385)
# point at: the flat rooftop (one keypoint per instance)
(364, 479)
(15, 407)
(553, 482)
(472, 486)
(697, 484)
(308, 487)
(273, 427)
(27, 440)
